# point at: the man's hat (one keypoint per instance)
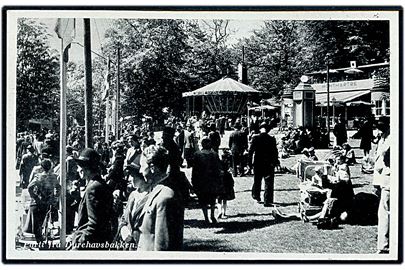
(47, 152)
(46, 164)
(88, 158)
(69, 149)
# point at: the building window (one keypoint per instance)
(387, 107)
(378, 107)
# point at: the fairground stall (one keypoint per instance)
(225, 96)
(355, 92)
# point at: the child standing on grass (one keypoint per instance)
(228, 192)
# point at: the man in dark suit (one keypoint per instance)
(340, 131)
(95, 208)
(264, 149)
(237, 144)
(175, 159)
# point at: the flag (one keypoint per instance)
(66, 30)
(106, 91)
(107, 80)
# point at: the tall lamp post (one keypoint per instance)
(333, 107)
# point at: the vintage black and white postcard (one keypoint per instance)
(198, 134)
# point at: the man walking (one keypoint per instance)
(382, 182)
(340, 131)
(264, 149)
(238, 144)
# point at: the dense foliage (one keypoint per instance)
(161, 59)
(37, 82)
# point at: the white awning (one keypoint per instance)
(341, 97)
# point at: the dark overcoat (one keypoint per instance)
(264, 149)
(94, 215)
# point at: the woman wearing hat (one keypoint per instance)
(206, 178)
(44, 190)
(160, 222)
(95, 208)
(127, 229)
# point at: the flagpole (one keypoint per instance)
(117, 98)
(88, 96)
(62, 160)
(107, 104)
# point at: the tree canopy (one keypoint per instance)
(162, 58)
(37, 74)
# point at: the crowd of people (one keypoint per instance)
(131, 189)
(134, 189)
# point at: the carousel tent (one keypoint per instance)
(222, 87)
(223, 96)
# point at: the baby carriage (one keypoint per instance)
(312, 194)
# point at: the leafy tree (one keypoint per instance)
(274, 55)
(340, 42)
(161, 59)
(75, 92)
(37, 74)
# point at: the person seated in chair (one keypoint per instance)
(348, 152)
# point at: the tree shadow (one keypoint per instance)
(242, 191)
(193, 204)
(242, 215)
(233, 227)
(208, 245)
(285, 203)
(197, 223)
(287, 189)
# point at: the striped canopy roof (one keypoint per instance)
(222, 87)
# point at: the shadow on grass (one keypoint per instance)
(242, 191)
(287, 189)
(233, 227)
(242, 215)
(207, 245)
(193, 204)
(277, 189)
(286, 204)
(197, 223)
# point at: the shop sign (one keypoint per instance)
(344, 85)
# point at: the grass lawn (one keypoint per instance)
(250, 226)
